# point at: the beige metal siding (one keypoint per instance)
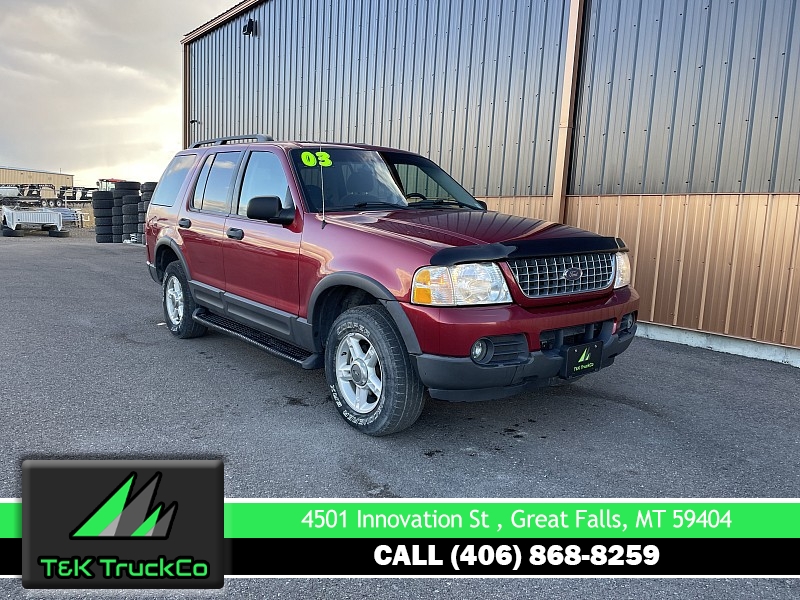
(535, 207)
(722, 263)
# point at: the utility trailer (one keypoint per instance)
(15, 218)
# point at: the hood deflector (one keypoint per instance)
(531, 248)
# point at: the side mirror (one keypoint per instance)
(482, 203)
(269, 209)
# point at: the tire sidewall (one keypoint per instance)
(174, 270)
(352, 322)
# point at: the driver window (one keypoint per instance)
(264, 176)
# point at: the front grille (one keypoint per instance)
(544, 277)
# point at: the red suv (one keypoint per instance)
(376, 265)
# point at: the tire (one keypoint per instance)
(48, 227)
(149, 186)
(131, 199)
(102, 195)
(400, 398)
(58, 234)
(103, 239)
(117, 201)
(102, 203)
(117, 239)
(127, 185)
(127, 219)
(104, 212)
(130, 209)
(13, 232)
(116, 211)
(116, 230)
(147, 196)
(103, 230)
(140, 228)
(130, 228)
(178, 304)
(103, 221)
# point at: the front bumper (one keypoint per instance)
(462, 380)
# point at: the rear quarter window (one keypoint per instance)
(169, 186)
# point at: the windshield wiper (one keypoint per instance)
(378, 205)
(437, 202)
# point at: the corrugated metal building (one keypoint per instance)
(15, 176)
(674, 124)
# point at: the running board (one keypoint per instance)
(264, 341)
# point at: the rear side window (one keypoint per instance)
(169, 186)
(213, 188)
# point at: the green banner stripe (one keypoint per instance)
(512, 519)
(478, 519)
(10, 519)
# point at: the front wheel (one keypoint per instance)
(374, 385)
(179, 304)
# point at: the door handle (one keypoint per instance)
(185, 223)
(235, 234)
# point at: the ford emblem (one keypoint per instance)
(572, 274)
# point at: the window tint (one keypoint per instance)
(218, 185)
(169, 186)
(264, 177)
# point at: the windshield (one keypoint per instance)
(355, 179)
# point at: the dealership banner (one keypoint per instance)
(420, 537)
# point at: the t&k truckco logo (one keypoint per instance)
(89, 524)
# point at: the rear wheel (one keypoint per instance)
(179, 304)
(374, 385)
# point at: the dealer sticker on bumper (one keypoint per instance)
(583, 359)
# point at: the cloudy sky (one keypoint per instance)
(93, 87)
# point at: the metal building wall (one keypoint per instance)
(473, 85)
(688, 96)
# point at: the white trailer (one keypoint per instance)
(15, 218)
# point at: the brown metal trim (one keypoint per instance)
(186, 83)
(229, 14)
(568, 95)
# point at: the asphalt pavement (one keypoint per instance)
(88, 370)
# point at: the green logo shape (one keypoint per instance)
(585, 356)
(123, 516)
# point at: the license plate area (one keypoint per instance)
(583, 359)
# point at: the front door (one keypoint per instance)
(261, 268)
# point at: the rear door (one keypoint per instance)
(261, 268)
(202, 225)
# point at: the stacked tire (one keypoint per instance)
(103, 207)
(147, 193)
(126, 208)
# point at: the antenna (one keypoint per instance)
(322, 187)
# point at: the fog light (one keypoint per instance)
(626, 322)
(479, 350)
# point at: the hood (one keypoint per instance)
(459, 236)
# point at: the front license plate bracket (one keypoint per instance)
(582, 359)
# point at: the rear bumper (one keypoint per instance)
(462, 380)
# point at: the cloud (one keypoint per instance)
(93, 87)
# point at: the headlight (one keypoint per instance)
(460, 285)
(623, 270)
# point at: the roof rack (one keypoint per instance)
(235, 138)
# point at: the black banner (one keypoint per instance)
(512, 557)
(357, 557)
